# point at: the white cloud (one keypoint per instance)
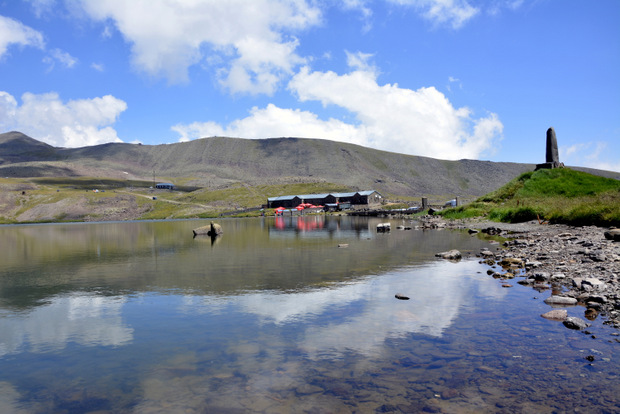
(273, 122)
(591, 155)
(62, 57)
(451, 12)
(76, 123)
(360, 60)
(41, 7)
(168, 37)
(421, 122)
(13, 32)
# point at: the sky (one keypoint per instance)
(448, 79)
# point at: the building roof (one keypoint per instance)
(310, 196)
(282, 198)
(304, 196)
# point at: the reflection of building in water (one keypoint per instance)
(88, 320)
(359, 198)
(318, 226)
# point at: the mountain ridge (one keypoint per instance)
(221, 161)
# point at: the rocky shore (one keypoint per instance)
(578, 266)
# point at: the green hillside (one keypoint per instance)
(560, 195)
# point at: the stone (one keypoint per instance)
(592, 283)
(556, 315)
(487, 253)
(613, 234)
(450, 255)
(400, 296)
(572, 322)
(532, 264)
(597, 299)
(508, 261)
(560, 300)
(541, 276)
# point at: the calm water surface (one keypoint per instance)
(275, 317)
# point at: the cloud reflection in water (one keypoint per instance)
(86, 319)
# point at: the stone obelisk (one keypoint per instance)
(552, 156)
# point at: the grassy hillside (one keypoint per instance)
(558, 196)
(57, 199)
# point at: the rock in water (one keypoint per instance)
(560, 301)
(575, 323)
(556, 315)
(450, 255)
(213, 229)
(401, 296)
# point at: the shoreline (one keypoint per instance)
(577, 265)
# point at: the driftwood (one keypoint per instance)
(212, 229)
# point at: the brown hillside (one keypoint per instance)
(213, 162)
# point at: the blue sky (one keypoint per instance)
(448, 79)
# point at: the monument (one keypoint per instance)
(552, 157)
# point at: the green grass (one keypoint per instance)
(558, 196)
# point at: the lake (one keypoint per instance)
(281, 315)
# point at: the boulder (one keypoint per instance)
(212, 229)
(450, 255)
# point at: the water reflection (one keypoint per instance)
(319, 227)
(87, 320)
(141, 317)
(439, 292)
